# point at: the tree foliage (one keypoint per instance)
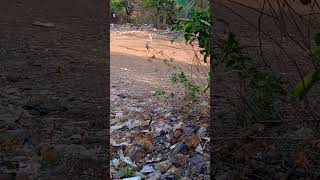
(123, 7)
(196, 31)
(302, 88)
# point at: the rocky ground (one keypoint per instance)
(155, 134)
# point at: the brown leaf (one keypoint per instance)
(135, 152)
(192, 141)
(177, 134)
(149, 137)
(142, 145)
(178, 160)
(142, 137)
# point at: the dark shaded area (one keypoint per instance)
(287, 146)
(54, 87)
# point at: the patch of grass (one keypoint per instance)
(128, 171)
(159, 93)
(192, 89)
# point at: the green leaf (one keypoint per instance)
(188, 27)
(314, 52)
(303, 87)
(205, 88)
(182, 3)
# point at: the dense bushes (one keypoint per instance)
(161, 13)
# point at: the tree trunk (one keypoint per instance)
(164, 21)
(158, 18)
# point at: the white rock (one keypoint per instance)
(147, 169)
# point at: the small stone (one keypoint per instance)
(177, 126)
(162, 139)
(181, 148)
(154, 176)
(199, 149)
(197, 165)
(163, 166)
(119, 114)
(117, 174)
(123, 95)
(173, 119)
(145, 123)
(43, 24)
(139, 176)
(188, 131)
(147, 169)
(162, 128)
(177, 171)
(203, 132)
(178, 160)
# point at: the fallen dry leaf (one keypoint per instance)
(135, 152)
(203, 125)
(192, 141)
(179, 160)
(177, 134)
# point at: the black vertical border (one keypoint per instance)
(107, 34)
(211, 89)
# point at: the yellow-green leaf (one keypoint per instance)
(315, 51)
(303, 87)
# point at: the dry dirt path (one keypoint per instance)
(159, 133)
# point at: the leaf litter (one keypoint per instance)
(143, 135)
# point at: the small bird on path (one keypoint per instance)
(148, 42)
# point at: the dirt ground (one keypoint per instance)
(136, 113)
(128, 51)
(53, 105)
